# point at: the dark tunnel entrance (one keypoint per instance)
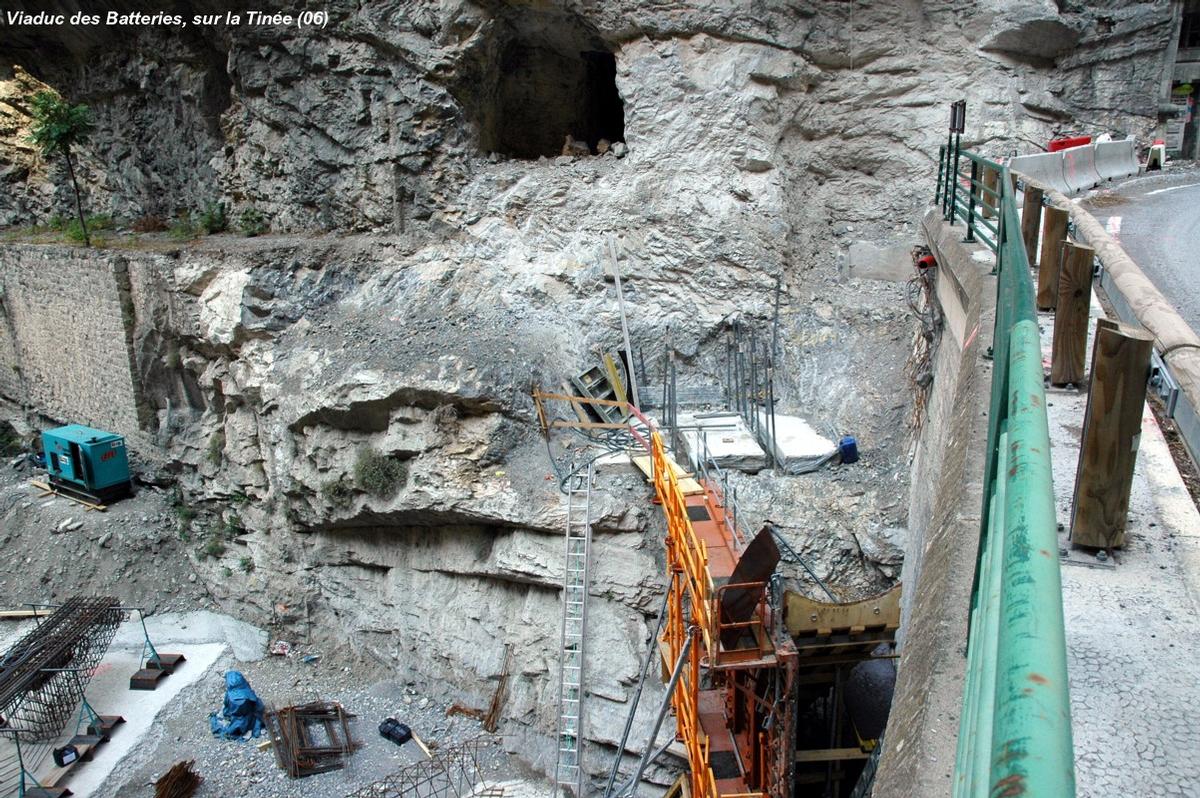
(549, 76)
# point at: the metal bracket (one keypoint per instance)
(1163, 383)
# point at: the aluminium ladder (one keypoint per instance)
(567, 769)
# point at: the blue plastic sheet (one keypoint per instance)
(242, 713)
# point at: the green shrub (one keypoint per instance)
(215, 547)
(58, 223)
(216, 447)
(233, 526)
(246, 564)
(337, 492)
(226, 571)
(184, 228)
(212, 218)
(252, 222)
(377, 474)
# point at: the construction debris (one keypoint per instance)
(180, 781)
(242, 710)
(311, 738)
(491, 721)
(454, 771)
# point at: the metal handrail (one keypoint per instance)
(1015, 729)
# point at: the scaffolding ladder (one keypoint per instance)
(567, 769)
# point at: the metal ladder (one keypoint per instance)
(567, 769)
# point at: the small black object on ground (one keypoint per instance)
(394, 730)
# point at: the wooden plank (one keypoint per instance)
(1054, 233)
(687, 484)
(1112, 427)
(50, 490)
(987, 204)
(16, 615)
(831, 754)
(57, 774)
(1067, 360)
(1031, 222)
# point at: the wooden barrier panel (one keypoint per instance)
(1031, 222)
(1112, 427)
(1054, 232)
(991, 180)
(1067, 359)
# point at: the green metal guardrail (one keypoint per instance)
(1015, 731)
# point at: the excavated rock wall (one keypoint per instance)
(422, 277)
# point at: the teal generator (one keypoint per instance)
(87, 461)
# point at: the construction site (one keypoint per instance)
(512, 399)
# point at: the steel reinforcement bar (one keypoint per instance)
(1015, 730)
(43, 675)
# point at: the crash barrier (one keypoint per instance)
(1046, 167)
(1014, 733)
(1115, 159)
(1176, 364)
(1078, 168)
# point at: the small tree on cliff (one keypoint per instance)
(58, 126)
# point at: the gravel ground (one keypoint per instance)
(241, 769)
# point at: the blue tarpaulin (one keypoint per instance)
(242, 712)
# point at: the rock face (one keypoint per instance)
(751, 144)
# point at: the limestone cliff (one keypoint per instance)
(433, 255)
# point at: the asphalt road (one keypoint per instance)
(1157, 220)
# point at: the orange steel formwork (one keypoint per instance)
(734, 703)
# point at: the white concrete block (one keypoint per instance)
(730, 443)
(798, 447)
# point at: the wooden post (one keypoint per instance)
(1054, 232)
(1069, 350)
(1112, 428)
(991, 179)
(1031, 221)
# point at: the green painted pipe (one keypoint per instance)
(1033, 754)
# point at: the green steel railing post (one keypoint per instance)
(971, 202)
(947, 207)
(954, 175)
(937, 195)
(1032, 750)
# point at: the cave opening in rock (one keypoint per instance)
(550, 80)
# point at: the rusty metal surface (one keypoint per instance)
(43, 675)
(452, 772)
(310, 738)
(755, 566)
(181, 781)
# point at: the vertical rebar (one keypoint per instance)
(753, 408)
(771, 414)
(674, 410)
(737, 367)
(775, 324)
(728, 366)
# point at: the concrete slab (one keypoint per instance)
(109, 694)
(730, 444)
(798, 446)
(202, 637)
